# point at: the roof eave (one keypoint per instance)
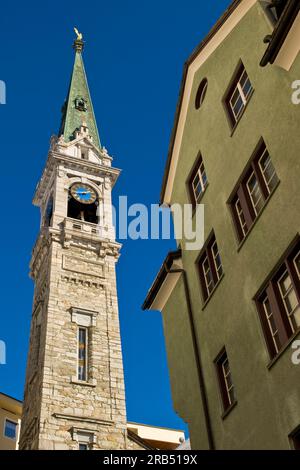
(160, 278)
(280, 32)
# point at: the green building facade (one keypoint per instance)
(231, 311)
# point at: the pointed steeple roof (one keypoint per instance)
(78, 107)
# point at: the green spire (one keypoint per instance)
(78, 107)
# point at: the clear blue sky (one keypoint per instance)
(134, 56)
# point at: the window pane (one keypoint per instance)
(199, 182)
(247, 87)
(83, 447)
(204, 177)
(196, 180)
(10, 429)
(297, 264)
(290, 300)
(217, 259)
(235, 96)
(245, 84)
(285, 284)
(296, 316)
(198, 190)
(255, 194)
(208, 276)
(82, 354)
(239, 94)
(232, 395)
(241, 217)
(268, 171)
(225, 377)
(226, 366)
(237, 107)
(271, 323)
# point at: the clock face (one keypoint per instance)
(83, 193)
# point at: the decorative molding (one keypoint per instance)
(82, 282)
(85, 435)
(77, 313)
(85, 419)
(86, 267)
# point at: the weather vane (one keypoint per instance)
(78, 43)
(78, 34)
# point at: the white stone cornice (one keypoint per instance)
(86, 419)
(71, 163)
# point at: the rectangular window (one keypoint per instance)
(85, 440)
(238, 95)
(256, 184)
(197, 181)
(210, 267)
(225, 380)
(82, 354)
(279, 303)
(10, 429)
(83, 446)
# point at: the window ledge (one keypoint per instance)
(283, 349)
(10, 438)
(90, 383)
(258, 217)
(242, 113)
(212, 292)
(229, 409)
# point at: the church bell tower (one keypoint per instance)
(74, 394)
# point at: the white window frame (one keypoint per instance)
(84, 436)
(203, 185)
(267, 183)
(268, 316)
(241, 94)
(225, 377)
(84, 328)
(219, 275)
(295, 264)
(243, 227)
(251, 192)
(81, 443)
(84, 319)
(283, 296)
(212, 284)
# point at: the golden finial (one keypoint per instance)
(78, 34)
(78, 43)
